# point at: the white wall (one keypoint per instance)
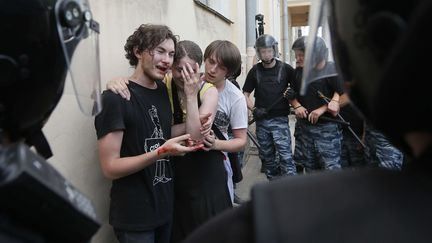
(72, 135)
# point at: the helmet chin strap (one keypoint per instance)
(268, 62)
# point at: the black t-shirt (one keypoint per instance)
(144, 199)
(269, 85)
(311, 99)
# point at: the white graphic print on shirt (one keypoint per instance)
(154, 143)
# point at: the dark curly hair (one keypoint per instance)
(146, 37)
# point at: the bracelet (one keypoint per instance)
(335, 100)
(297, 107)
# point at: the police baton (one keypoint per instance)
(327, 100)
(329, 119)
(269, 108)
(252, 137)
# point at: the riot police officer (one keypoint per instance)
(318, 142)
(269, 79)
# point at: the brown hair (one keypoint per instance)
(146, 37)
(226, 53)
(190, 49)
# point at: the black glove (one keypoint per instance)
(290, 93)
(259, 113)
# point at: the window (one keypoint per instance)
(218, 7)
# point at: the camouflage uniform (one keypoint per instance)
(274, 136)
(317, 146)
(379, 151)
(353, 154)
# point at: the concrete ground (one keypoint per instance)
(251, 175)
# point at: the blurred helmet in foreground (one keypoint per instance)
(36, 48)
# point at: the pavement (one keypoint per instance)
(251, 175)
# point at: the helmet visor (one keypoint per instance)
(318, 62)
(79, 35)
(266, 54)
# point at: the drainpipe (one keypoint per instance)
(285, 27)
(251, 11)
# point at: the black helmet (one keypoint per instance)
(380, 45)
(299, 44)
(266, 41)
(320, 51)
(39, 38)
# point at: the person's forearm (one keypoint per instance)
(231, 145)
(295, 103)
(250, 104)
(178, 129)
(344, 100)
(335, 97)
(193, 123)
(121, 167)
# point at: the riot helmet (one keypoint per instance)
(266, 42)
(299, 47)
(316, 64)
(320, 50)
(40, 37)
(299, 44)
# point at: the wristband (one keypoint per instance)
(297, 107)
